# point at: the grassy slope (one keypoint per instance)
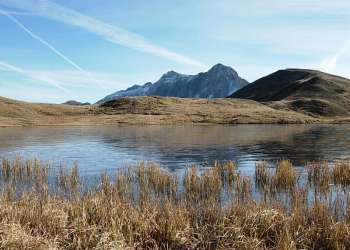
(308, 91)
(17, 113)
(146, 110)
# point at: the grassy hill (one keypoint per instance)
(146, 110)
(18, 113)
(312, 92)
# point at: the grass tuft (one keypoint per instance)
(148, 207)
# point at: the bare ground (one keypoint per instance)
(149, 110)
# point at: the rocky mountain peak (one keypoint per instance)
(220, 81)
(171, 76)
(220, 69)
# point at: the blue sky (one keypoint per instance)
(52, 51)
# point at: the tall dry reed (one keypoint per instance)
(147, 207)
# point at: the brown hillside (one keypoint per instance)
(309, 91)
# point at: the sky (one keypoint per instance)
(54, 51)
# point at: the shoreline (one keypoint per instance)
(91, 124)
(136, 122)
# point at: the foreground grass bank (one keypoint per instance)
(146, 207)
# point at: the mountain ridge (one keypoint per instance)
(219, 81)
(76, 103)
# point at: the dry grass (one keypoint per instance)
(147, 110)
(262, 175)
(146, 207)
(283, 178)
(286, 175)
(341, 174)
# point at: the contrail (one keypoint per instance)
(51, 47)
(111, 33)
(19, 13)
(30, 74)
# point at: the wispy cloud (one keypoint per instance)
(109, 32)
(286, 33)
(85, 73)
(42, 41)
(70, 79)
(73, 79)
(19, 13)
(4, 66)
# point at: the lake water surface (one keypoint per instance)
(97, 149)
